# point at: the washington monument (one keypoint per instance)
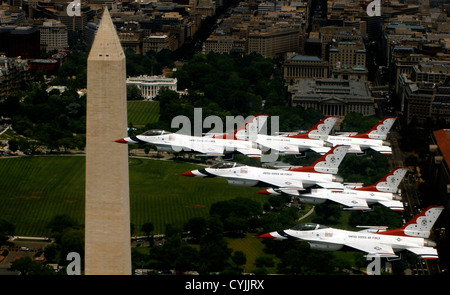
(107, 222)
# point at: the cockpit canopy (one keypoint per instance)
(155, 132)
(308, 226)
(226, 165)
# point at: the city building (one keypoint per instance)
(347, 53)
(130, 36)
(334, 97)
(14, 72)
(53, 36)
(439, 165)
(425, 93)
(150, 85)
(157, 42)
(272, 41)
(344, 72)
(23, 41)
(225, 44)
(303, 66)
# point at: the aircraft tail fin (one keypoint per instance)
(380, 130)
(420, 225)
(251, 127)
(321, 130)
(389, 183)
(328, 163)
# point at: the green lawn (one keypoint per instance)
(34, 189)
(141, 113)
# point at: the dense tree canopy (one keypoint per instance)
(53, 119)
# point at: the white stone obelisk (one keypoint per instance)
(107, 215)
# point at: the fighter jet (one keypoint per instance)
(375, 241)
(215, 145)
(383, 192)
(298, 143)
(322, 173)
(374, 139)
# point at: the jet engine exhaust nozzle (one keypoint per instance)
(337, 178)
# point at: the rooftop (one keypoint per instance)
(443, 141)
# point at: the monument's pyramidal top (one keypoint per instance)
(106, 45)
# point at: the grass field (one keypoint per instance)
(35, 189)
(141, 113)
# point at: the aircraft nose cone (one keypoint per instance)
(122, 140)
(189, 174)
(266, 236)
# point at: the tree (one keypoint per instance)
(148, 228)
(328, 213)
(26, 266)
(264, 261)
(239, 259)
(196, 227)
(6, 229)
(187, 258)
(134, 93)
(214, 255)
(60, 222)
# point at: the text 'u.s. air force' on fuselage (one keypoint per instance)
(375, 241)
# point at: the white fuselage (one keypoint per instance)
(252, 176)
(293, 145)
(175, 142)
(358, 145)
(337, 238)
(370, 197)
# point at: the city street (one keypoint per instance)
(19, 249)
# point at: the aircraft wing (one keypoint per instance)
(373, 249)
(355, 149)
(386, 150)
(286, 184)
(284, 148)
(351, 202)
(320, 150)
(424, 252)
(250, 152)
(209, 149)
(393, 205)
(331, 185)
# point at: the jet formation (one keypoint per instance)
(249, 140)
(314, 184)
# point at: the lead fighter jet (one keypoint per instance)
(356, 198)
(375, 241)
(215, 145)
(321, 173)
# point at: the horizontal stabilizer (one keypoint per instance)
(393, 205)
(385, 150)
(424, 252)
